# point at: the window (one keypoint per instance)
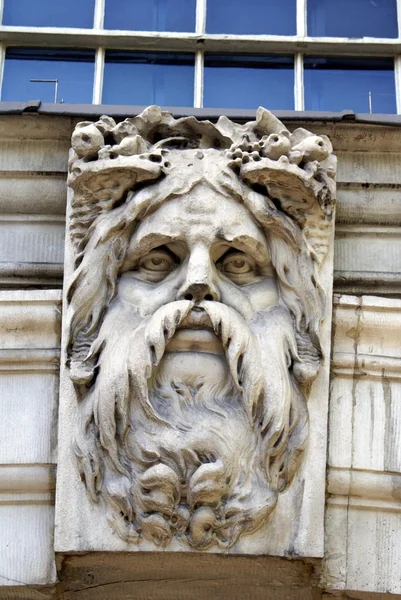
(150, 15)
(49, 13)
(249, 81)
(362, 85)
(139, 78)
(352, 18)
(234, 54)
(68, 75)
(251, 17)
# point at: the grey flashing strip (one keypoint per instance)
(93, 111)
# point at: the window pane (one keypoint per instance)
(150, 15)
(251, 17)
(361, 85)
(249, 82)
(49, 13)
(355, 18)
(139, 78)
(72, 68)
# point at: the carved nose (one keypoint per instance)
(199, 292)
(198, 284)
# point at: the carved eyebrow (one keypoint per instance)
(146, 243)
(245, 243)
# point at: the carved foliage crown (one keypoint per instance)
(296, 169)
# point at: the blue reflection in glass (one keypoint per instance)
(352, 18)
(73, 69)
(249, 82)
(49, 13)
(361, 85)
(139, 78)
(150, 15)
(251, 17)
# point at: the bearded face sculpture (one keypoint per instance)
(194, 315)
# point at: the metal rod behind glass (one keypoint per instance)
(55, 81)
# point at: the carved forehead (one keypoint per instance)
(201, 213)
(184, 168)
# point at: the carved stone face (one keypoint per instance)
(203, 246)
(194, 321)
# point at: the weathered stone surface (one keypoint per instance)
(33, 165)
(363, 519)
(29, 363)
(198, 265)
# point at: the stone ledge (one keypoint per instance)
(167, 576)
(347, 364)
(29, 320)
(377, 490)
(27, 484)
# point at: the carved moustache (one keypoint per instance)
(239, 343)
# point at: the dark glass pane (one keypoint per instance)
(361, 85)
(139, 78)
(249, 82)
(251, 17)
(49, 13)
(352, 18)
(150, 15)
(73, 69)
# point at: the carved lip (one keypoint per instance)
(195, 334)
(197, 318)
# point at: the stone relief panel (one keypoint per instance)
(196, 323)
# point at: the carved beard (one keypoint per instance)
(203, 463)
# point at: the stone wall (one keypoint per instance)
(363, 512)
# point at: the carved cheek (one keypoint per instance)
(147, 296)
(262, 294)
(250, 299)
(234, 296)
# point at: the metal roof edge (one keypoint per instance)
(92, 111)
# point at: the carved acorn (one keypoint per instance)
(275, 145)
(124, 129)
(87, 140)
(313, 147)
(130, 145)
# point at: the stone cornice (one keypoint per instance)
(27, 484)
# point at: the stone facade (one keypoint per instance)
(362, 552)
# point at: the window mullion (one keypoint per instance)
(301, 17)
(98, 76)
(397, 75)
(299, 102)
(399, 18)
(199, 69)
(200, 25)
(98, 19)
(2, 59)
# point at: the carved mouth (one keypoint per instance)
(195, 334)
(197, 318)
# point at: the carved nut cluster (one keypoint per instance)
(301, 147)
(106, 139)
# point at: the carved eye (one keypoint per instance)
(237, 263)
(158, 261)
